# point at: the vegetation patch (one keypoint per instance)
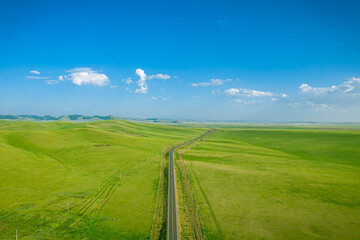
(256, 183)
(61, 180)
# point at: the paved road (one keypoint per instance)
(172, 225)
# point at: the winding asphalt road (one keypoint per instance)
(172, 226)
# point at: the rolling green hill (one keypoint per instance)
(97, 180)
(101, 179)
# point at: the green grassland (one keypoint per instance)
(277, 183)
(107, 172)
(242, 182)
(189, 222)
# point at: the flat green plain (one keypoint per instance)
(274, 183)
(98, 180)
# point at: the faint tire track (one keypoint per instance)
(95, 204)
(207, 201)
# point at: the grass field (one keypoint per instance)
(106, 172)
(274, 183)
(100, 180)
(189, 222)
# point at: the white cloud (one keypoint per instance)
(34, 72)
(79, 76)
(128, 81)
(316, 107)
(215, 91)
(251, 102)
(158, 76)
(319, 106)
(240, 92)
(246, 96)
(296, 104)
(60, 79)
(155, 98)
(349, 87)
(165, 98)
(143, 77)
(52, 82)
(306, 88)
(352, 85)
(114, 86)
(87, 76)
(36, 77)
(212, 82)
(339, 97)
(142, 81)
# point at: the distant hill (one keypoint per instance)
(82, 118)
(67, 118)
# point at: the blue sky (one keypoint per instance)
(218, 60)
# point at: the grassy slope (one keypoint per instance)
(43, 166)
(278, 184)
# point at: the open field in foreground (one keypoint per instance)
(106, 172)
(277, 183)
